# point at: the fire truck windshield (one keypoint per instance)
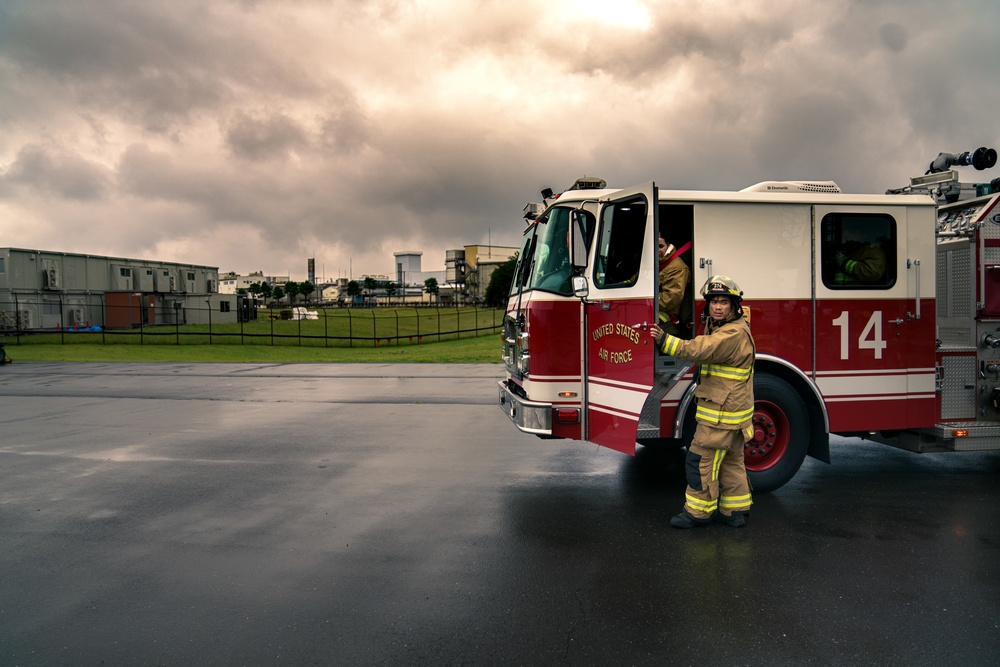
(549, 266)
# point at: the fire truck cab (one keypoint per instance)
(873, 315)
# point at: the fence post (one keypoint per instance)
(18, 324)
(350, 326)
(208, 302)
(438, 308)
(326, 328)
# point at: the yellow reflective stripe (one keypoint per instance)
(736, 502)
(700, 505)
(748, 431)
(716, 462)
(670, 344)
(728, 372)
(720, 417)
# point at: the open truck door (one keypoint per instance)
(619, 308)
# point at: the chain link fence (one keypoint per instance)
(138, 319)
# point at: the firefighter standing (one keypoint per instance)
(715, 470)
(674, 278)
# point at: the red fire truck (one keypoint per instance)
(909, 357)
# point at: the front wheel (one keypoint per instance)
(781, 434)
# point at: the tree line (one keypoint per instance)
(291, 289)
(495, 295)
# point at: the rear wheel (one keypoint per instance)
(781, 434)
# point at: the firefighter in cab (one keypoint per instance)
(675, 311)
(716, 473)
(860, 260)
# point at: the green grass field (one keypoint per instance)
(339, 335)
(484, 349)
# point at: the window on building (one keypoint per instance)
(125, 272)
(223, 306)
(190, 275)
(1, 264)
(858, 251)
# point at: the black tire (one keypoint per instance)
(781, 434)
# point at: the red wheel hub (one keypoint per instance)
(770, 437)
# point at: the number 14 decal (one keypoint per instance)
(870, 338)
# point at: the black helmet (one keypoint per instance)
(719, 285)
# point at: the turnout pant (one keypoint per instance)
(716, 474)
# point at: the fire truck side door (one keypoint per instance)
(618, 313)
(867, 340)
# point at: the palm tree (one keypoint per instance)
(353, 290)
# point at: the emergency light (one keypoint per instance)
(591, 183)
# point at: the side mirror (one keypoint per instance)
(581, 289)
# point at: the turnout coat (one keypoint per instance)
(725, 389)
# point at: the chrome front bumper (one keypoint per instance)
(528, 416)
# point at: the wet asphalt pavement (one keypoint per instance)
(306, 514)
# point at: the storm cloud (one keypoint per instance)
(251, 135)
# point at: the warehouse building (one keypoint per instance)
(232, 282)
(51, 290)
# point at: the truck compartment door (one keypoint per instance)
(873, 345)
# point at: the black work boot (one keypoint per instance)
(685, 520)
(736, 519)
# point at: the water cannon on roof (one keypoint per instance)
(941, 181)
(981, 158)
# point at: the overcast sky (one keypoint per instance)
(253, 134)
